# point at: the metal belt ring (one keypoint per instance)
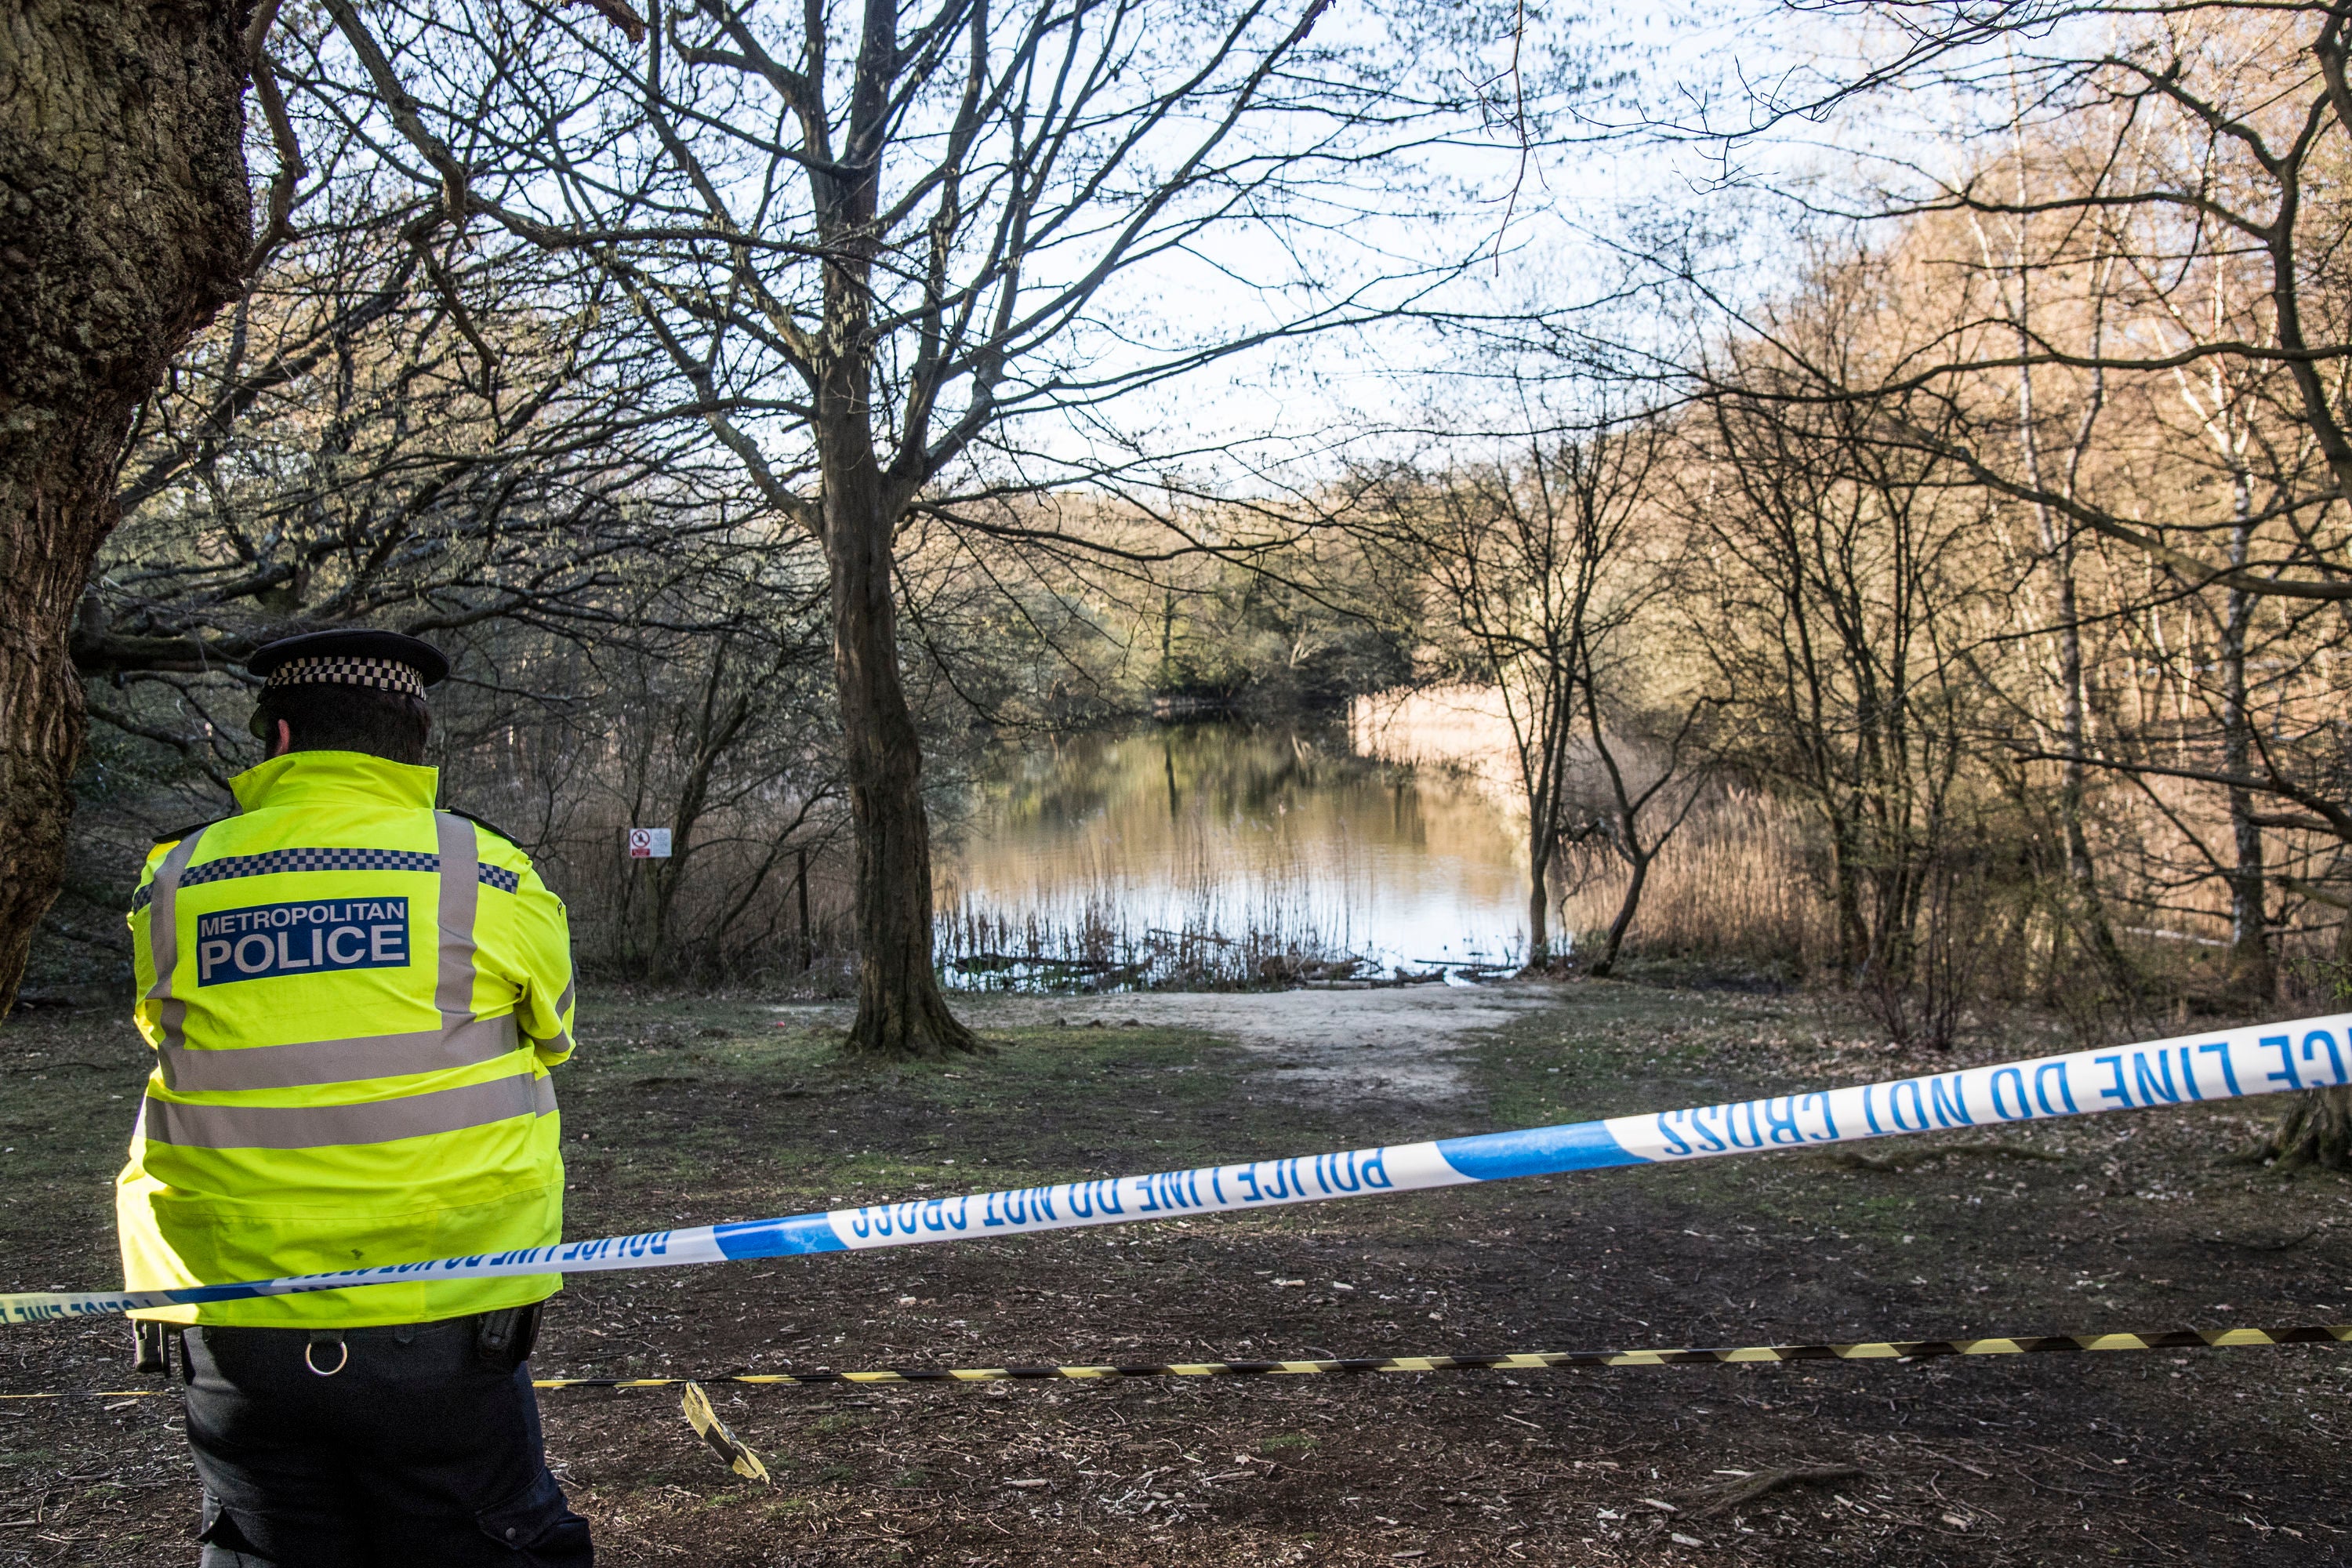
(339, 1345)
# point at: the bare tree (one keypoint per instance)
(440, 438)
(2179, 164)
(1837, 585)
(377, 431)
(889, 246)
(2052, 453)
(1653, 762)
(1535, 567)
(727, 815)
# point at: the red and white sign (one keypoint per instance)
(648, 842)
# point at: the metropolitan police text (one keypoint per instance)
(265, 939)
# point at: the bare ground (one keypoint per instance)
(1411, 1040)
(694, 1109)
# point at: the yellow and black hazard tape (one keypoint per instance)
(1533, 1361)
(730, 1448)
(1537, 1361)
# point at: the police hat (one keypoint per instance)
(385, 662)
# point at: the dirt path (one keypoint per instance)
(1410, 1040)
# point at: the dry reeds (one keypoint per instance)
(1733, 885)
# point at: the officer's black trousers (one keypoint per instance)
(424, 1447)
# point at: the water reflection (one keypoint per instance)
(1219, 853)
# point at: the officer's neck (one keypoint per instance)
(301, 777)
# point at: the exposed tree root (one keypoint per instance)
(2315, 1131)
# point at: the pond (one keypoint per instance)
(1224, 854)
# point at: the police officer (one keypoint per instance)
(354, 1002)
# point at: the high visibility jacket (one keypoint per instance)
(355, 1001)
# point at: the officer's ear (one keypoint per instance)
(283, 742)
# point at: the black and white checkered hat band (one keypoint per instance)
(382, 674)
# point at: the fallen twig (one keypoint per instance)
(1860, 1162)
(2004, 1150)
(1857, 1162)
(1766, 1481)
(2240, 1245)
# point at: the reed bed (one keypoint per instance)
(1092, 949)
(1101, 926)
(1734, 885)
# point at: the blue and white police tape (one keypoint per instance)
(2271, 1059)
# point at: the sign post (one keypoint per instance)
(648, 842)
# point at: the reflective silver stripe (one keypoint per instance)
(461, 893)
(544, 1097)
(338, 1061)
(332, 1126)
(163, 937)
(562, 1043)
(563, 1002)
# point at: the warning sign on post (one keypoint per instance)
(648, 842)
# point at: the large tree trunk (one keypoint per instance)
(902, 1011)
(123, 225)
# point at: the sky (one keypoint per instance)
(1555, 234)
(1491, 230)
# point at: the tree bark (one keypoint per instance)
(124, 220)
(1538, 916)
(902, 1011)
(2252, 977)
(2074, 788)
(806, 952)
(1627, 908)
(2315, 1131)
